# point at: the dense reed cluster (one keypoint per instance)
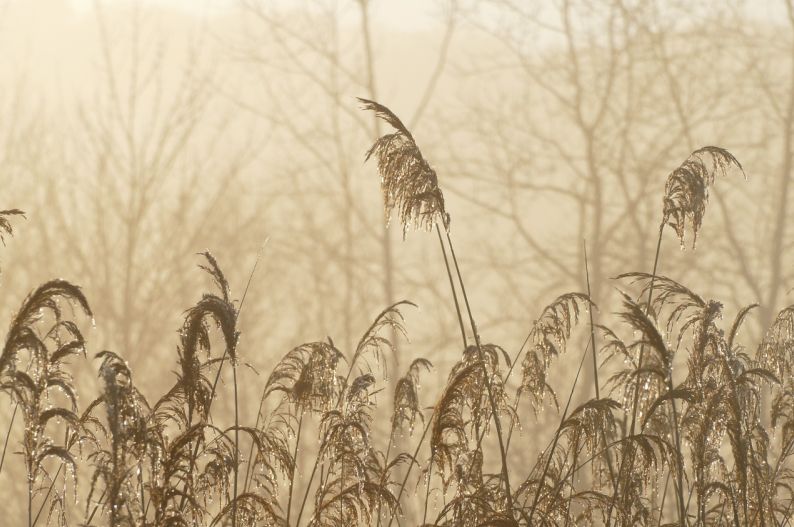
(690, 428)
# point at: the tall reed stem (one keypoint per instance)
(664, 497)
(294, 466)
(518, 395)
(427, 491)
(30, 502)
(8, 436)
(68, 444)
(679, 460)
(637, 382)
(647, 310)
(592, 324)
(554, 442)
(246, 481)
(215, 385)
(595, 363)
(452, 287)
(385, 468)
(413, 462)
(494, 408)
(236, 442)
(309, 484)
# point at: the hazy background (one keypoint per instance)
(137, 134)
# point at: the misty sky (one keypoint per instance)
(401, 14)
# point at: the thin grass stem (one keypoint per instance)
(452, 288)
(8, 436)
(494, 408)
(294, 466)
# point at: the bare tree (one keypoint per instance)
(324, 56)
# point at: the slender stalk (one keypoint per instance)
(679, 458)
(647, 310)
(236, 441)
(385, 465)
(68, 444)
(518, 394)
(47, 496)
(571, 488)
(323, 476)
(218, 376)
(294, 466)
(452, 287)
(595, 363)
(412, 463)
(115, 477)
(141, 487)
(96, 507)
(8, 436)
(639, 366)
(324, 439)
(30, 502)
(592, 324)
(664, 496)
(427, 491)
(494, 409)
(341, 490)
(556, 439)
(309, 484)
(246, 481)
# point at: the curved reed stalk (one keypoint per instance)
(410, 185)
(595, 365)
(46, 354)
(556, 438)
(685, 198)
(195, 339)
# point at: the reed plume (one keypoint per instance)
(408, 183)
(686, 192)
(6, 229)
(33, 387)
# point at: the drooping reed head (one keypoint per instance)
(195, 336)
(687, 189)
(5, 223)
(406, 398)
(548, 338)
(123, 411)
(46, 298)
(308, 376)
(408, 182)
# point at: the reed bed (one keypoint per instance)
(689, 428)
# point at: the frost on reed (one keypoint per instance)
(408, 182)
(687, 189)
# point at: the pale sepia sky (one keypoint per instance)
(402, 14)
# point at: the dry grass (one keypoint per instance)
(682, 438)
